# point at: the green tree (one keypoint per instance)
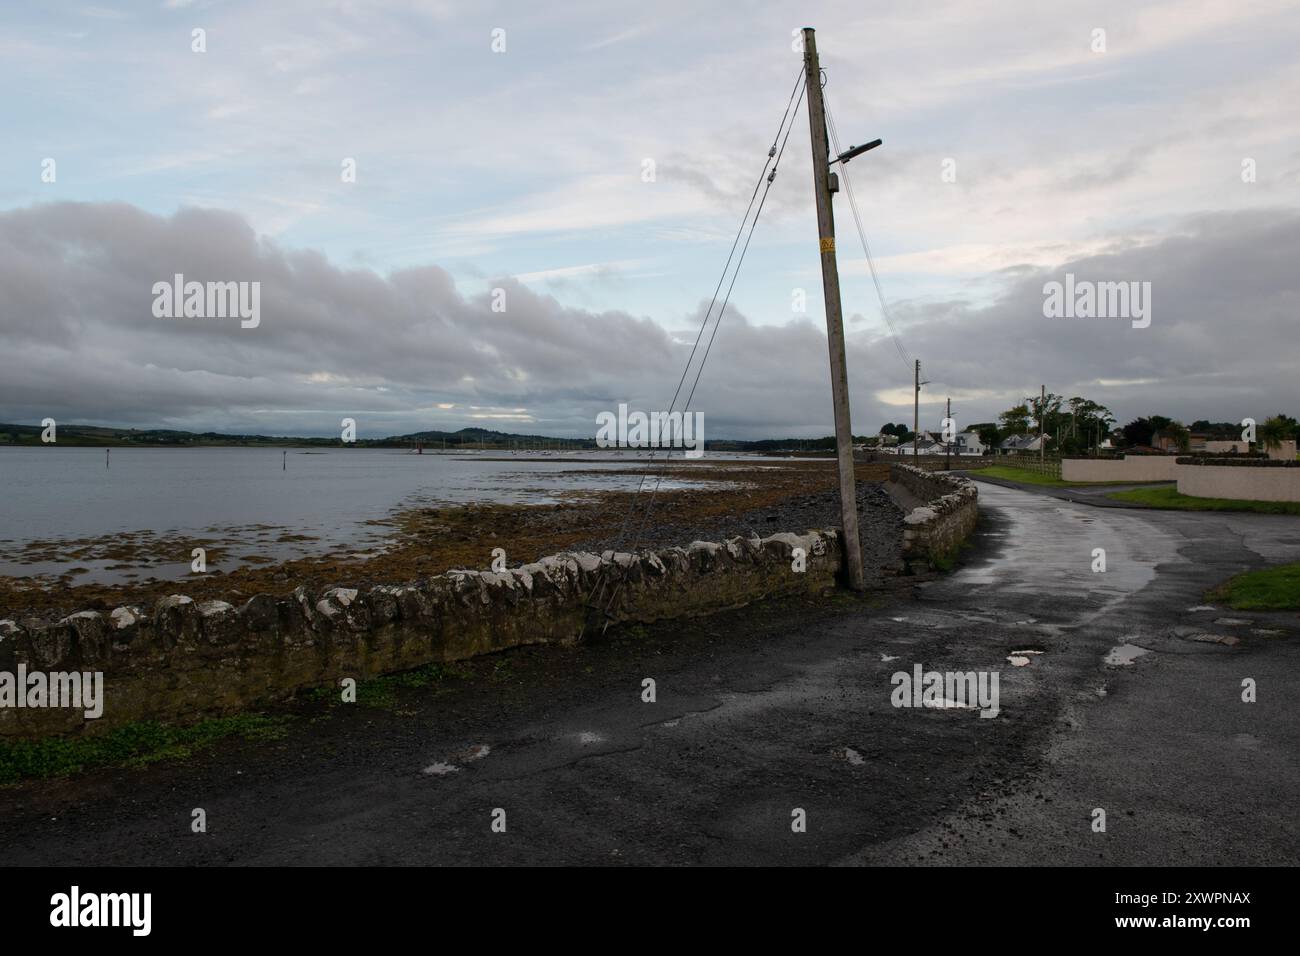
(1014, 421)
(988, 433)
(1179, 433)
(1090, 422)
(1274, 431)
(1138, 432)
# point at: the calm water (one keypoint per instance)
(61, 508)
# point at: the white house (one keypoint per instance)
(1018, 443)
(926, 444)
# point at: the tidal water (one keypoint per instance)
(61, 507)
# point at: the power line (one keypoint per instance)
(773, 153)
(708, 312)
(866, 247)
(716, 325)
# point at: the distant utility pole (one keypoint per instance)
(947, 445)
(916, 411)
(1042, 408)
(823, 185)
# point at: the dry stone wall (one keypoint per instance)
(182, 659)
(933, 532)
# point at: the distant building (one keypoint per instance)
(1016, 444)
(1287, 451)
(1166, 441)
(968, 443)
(924, 444)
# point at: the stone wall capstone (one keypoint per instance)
(934, 531)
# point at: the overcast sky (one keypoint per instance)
(1172, 157)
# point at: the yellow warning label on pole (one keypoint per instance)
(828, 244)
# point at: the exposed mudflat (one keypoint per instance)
(727, 498)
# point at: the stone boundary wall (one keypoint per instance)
(183, 660)
(1215, 447)
(1128, 468)
(943, 463)
(933, 532)
(1240, 482)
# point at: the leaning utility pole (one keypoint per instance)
(916, 410)
(834, 319)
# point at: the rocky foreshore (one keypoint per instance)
(740, 499)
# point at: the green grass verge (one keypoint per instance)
(134, 745)
(1011, 473)
(1272, 589)
(147, 742)
(1170, 498)
(382, 691)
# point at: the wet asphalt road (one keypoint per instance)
(777, 707)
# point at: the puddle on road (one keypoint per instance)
(978, 618)
(853, 757)
(443, 767)
(590, 737)
(1226, 640)
(944, 703)
(440, 769)
(1231, 621)
(1203, 607)
(1023, 658)
(886, 658)
(1125, 654)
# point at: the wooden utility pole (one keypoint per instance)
(834, 318)
(947, 445)
(1042, 408)
(916, 411)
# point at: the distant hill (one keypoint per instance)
(467, 438)
(95, 435)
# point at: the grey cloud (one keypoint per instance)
(82, 343)
(77, 309)
(1223, 341)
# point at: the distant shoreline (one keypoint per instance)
(466, 439)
